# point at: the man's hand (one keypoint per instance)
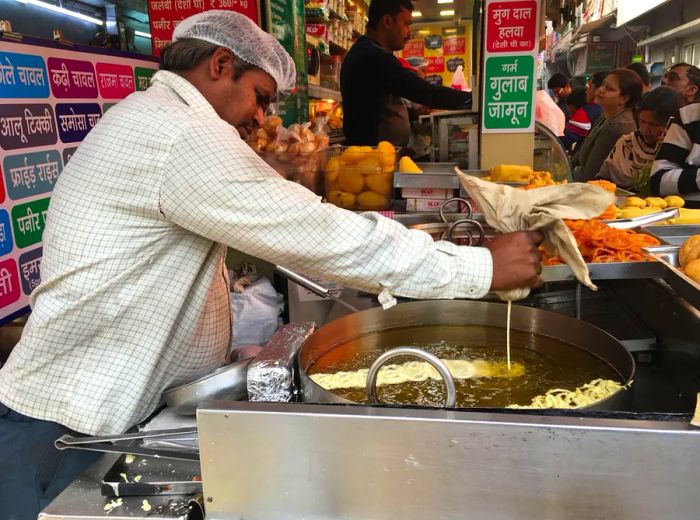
(517, 261)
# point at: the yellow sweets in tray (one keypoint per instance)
(638, 207)
(361, 177)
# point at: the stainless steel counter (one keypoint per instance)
(349, 462)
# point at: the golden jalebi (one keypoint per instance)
(599, 243)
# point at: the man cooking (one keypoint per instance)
(372, 80)
(134, 294)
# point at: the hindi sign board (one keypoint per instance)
(50, 98)
(165, 15)
(509, 66)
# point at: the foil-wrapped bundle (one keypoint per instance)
(271, 373)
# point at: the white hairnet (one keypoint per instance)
(245, 39)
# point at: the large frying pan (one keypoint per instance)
(579, 334)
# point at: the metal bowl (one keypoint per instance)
(226, 383)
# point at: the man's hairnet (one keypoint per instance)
(245, 39)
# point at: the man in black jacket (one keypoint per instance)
(373, 81)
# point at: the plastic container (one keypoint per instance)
(360, 177)
(303, 168)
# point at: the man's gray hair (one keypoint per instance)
(186, 54)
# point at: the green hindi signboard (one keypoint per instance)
(28, 222)
(286, 22)
(508, 92)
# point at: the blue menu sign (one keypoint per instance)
(23, 76)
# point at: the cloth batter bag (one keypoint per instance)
(543, 209)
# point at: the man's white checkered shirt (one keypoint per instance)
(134, 296)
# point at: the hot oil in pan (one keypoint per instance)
(549, 363)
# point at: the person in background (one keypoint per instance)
(578, 81)
(685, 78)
(560, 86)
(418, 147)
(373, 82)
(676, 170)
(618, 96)
(644, 75)
(593, 84)
(634, 152)
(134, 294)
(583, 115)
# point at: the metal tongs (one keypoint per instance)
(316, 288)
(445, 230)
(105, 444)
(645, 220)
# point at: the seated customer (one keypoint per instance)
(635, 151)
(618, 96)
(583, 115)
(676, 170)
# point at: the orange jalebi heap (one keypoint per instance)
(611, 211)
(539, 179)
(599, 243)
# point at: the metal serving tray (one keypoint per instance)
(674, 235)
(156, 476)
(607, 271)
(435, 175)
(613, 270)
(684, 286)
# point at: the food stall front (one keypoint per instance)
(336, 455)
(634, 459)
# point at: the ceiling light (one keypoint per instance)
(424, 31)
(67, 12)
(450, 31)
(447, 12)
(416, 14)
(142, 34)
(445, 1)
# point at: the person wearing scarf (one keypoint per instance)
(634, 152)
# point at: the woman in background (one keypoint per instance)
(618, 95)
(634, 152)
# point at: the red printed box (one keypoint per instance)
(426, 193)
(317, 30)
(433, 205)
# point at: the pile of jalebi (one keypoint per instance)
(538, 179)
(611, 211)
(599, 243)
